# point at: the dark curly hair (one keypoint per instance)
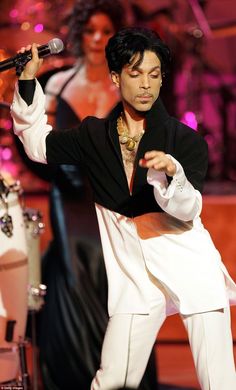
(129, 41)
(82, 12)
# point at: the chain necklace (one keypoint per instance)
(124, 138)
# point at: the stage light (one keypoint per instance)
(38, 28)
(189, 118)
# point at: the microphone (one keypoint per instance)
(54, 46)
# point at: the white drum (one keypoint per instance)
(34, 227)
(13, 282)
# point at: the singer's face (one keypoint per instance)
(139, 83)
(95, 37)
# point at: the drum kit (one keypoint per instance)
(21, 290)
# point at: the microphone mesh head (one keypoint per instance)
(55, 45)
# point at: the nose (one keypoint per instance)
(97, 36)
(145, 84)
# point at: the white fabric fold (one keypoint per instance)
(179, 198)
(30, 123)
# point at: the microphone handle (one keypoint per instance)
(22, 58)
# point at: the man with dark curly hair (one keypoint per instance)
(147, 172)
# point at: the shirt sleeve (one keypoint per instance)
(30, 122)
(179, 198)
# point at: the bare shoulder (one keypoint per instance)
(56, 81)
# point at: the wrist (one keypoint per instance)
(26, 90)
(26, 77)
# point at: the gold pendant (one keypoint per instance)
(130, 144)
(124, 139)
(136, 138)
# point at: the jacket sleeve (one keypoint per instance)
(191, 151)
(179, 198)
(41, 144)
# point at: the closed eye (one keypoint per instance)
(134, 75)
(155, 75)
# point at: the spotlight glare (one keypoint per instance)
(38, 28)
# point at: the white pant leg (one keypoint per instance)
(127, 347)
(212, 348)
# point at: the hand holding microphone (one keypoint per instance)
(29, 71)
(29, 59)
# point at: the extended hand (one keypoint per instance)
(31, 68)
(159, 161)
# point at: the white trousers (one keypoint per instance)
(130, 337)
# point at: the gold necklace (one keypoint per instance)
(124, 138)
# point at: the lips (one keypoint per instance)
(145, 96)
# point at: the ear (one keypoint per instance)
(115, 78)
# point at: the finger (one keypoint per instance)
(156, 164)
(34, 51)
(145, 163)
(21, 50)
(153, 153)
(142, 162)
(160, 166)
(165, 166)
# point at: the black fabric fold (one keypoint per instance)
(26, 90)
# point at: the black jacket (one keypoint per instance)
(95, 143)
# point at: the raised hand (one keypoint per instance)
(31, 68)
